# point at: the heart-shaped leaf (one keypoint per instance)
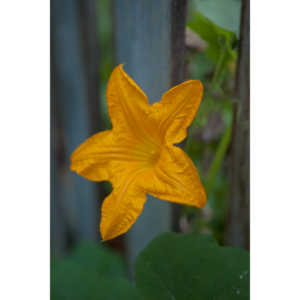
(192, 266)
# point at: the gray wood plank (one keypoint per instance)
(76, 197)
(142, 37)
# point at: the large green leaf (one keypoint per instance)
(192, 266)
(91, 273)
(100, 259)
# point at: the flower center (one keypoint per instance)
(147, 152)
(154, 156)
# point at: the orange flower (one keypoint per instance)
(138, 156)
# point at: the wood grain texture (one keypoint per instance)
(178, 14)
(74, 199)
(178, 70)
(237, 231)
(142, 39)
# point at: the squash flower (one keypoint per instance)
(138, 154)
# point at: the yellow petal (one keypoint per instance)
(91, 158)
(123, 206)
(178, 108)
(137, 155)
(174, 179)
(127, 103)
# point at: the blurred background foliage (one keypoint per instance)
(217, 24)
(211, 55)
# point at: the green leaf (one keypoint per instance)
(100, 259)
(70, 281)
(221, 43)
(216, 36)
(91, 273)
(224, 13)
(192, 266)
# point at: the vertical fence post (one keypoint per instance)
(142, 37)
(178, 25)
(73, 199)
(237, 231)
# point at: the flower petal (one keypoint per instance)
(91, 159)
(123, 206)
(178, 108)
(174, 179)
(127, 103)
